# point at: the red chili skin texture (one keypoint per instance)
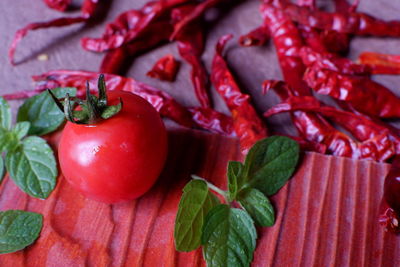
(117, 159)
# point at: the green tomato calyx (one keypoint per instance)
(93, 109)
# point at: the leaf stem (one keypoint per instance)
(212, 187)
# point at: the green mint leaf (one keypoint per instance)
(8, 140)
(195, 203)
(258, 206)
(5, 114)
(42, 112)
(234, 169)
(21, 129)
(270, 163)
(32, 166)
(229, 237)
(2, 169)
(18, 229)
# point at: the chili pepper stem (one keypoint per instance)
(213, 187)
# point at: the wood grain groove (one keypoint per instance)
(317, 204)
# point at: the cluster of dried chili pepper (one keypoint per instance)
(311, 45)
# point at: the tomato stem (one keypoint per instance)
(93, 109)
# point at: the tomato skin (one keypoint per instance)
(117, 159)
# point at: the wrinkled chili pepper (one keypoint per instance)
(257, 37)
(129, 25)
(247, 124)
(288, 43)
(87, 10)
(375, 143)
(361, 93)
(197, 13)
(60, 5)
(328, 40)
(390, 216)
(332, 62)
(307, 3)
(214, 121)
(381, 63)
(165, 69)
(191, 48)
(117, 61)
(312, 127)
(349, 22)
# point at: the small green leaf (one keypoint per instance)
(18, 229)
(21, 129)
(229, 237)
(32, 166)
(270, 163)
(258, 206)
(195, 203)
(42, 112)
(5, 114)
(8, 140)
(2, 169)
(234, 169)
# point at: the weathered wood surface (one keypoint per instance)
(327, 215)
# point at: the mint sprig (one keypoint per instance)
(227, 233)
(29, 160)
(30, 163)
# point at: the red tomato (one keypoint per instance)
(117, 159)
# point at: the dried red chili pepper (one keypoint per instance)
(332, 62)
(288, 43)
(306, 145)
(191, 47)
(375, 139)
(197, 13)
(391, 198)
(361, 93)
(247, 124)
(129, 25)
(257, 37)
(328, 40)
(381, 63)
(313, 38)
(60, 5)
(343, 6)
(87, 10)
(117, 61)
(348, 22)
(213, 121)
(312, 127)
(307, 3)
(165, 69)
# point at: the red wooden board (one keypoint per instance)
(326, 215)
